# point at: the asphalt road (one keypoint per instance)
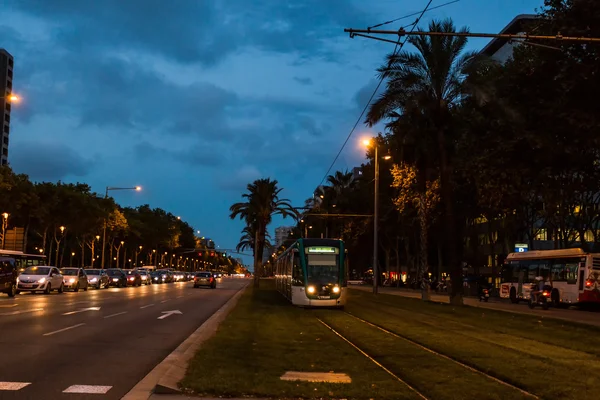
(574, 315)
(106, 339)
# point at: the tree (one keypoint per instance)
(262, 203)
(432, 82)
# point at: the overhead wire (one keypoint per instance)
(411, 15)
(399, 45)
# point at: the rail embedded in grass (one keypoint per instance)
(264, 337)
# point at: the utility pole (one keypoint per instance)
(375, 221)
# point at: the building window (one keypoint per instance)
(481, 220)
(5, 151)
(6, 129)
(10, 73)
(589, 236)
(4, 162)
(6, 140)
(9, 84)
(542, 234)
(11, 62)
(7, 117)
(8, 106)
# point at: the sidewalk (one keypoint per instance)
(582, 317)
(183, 397)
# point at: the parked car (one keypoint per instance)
(40, 278)
(133, 277)
(8, 276)
(116, 277)
(74, 279)
(97, 278)
(205, 278)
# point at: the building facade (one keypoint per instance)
(281, 234)
(6, 78)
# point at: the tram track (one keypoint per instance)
(364, 353)
(434, 352)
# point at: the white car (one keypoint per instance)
(40, 278)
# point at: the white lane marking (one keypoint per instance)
(82, 310)
(169, 313)
(13, 385)
(8, 305)
(22, 311)
(179, 297)
(89, 389)
(64, 329)
(146, 306)
(164, 301)
(114, 315)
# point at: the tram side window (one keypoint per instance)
(297, 274)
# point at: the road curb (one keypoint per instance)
(165, 377)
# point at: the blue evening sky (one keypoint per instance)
(193, 99)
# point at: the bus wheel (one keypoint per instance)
(513, 296)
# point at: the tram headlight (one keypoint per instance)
(336, 289)
(310, 289)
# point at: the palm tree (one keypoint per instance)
(247, 240)
(430, 82)
(262, 203)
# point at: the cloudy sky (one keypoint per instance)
(193, 99)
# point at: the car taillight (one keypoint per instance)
(546, 294)
(485, 291)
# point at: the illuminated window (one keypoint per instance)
(542, 234)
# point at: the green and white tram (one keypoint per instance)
(313, 273)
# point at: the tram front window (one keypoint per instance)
(323, 269)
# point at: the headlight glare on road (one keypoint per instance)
(42, 280)
(310, 289)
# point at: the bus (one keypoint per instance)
(313, 273)
(573, 274)
(23, 260)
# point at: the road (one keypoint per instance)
(573, 315)
(106, 339)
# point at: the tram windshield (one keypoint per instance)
(323, 268)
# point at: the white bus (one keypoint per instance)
(573, 274)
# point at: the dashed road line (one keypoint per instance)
(164, 301)
(114, 315)
(179, 297)
(22, 311)
(64, 329)
(13, 385)
(8, 305)
(87, 389)
(146, 306)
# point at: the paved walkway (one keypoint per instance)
(574, 315)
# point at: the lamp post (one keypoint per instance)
(368, 143)
(71, 260)
(4, 226)
(136, 188)
(136, 255)
(62, 233)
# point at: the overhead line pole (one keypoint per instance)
(508, 36)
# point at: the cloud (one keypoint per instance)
(236, 181)
(48, 161)
(303, 80)
(362, 96)
(196, 154)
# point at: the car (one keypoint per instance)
(205, 278)
(97, 278)
(157, 277)
(8, 276)
(116, 277)
(146, 278)
(133, 277)
(74, 279)
(40, 278)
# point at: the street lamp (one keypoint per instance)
(13, 98)
(4, 226)
(137, 189)
(58, 240)
(71, 260)
(367, 143)
(136, 255)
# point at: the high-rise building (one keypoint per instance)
(6, 78)
(281, 234)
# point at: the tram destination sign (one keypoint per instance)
(328, 250)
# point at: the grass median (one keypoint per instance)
(263, 337)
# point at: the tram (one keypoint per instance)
(313, 273)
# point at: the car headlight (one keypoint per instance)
(310, 289)
(155, 278)
(94, 280)
(42, 280)
(115, 279)
(336, 289)
(72, 280)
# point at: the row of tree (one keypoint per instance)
(67, 222)
(511, 148)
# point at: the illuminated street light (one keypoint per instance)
(367, 143)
